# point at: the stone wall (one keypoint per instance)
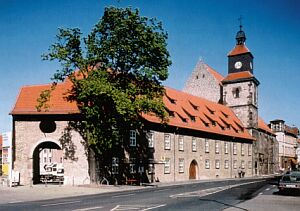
(28, 136)
(200, 156)
(203, 84)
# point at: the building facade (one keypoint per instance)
(213, 131)
(287, 138)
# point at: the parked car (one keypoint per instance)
(290, 181)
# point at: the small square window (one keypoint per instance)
(217, 164)
(181, 165)
(226, 164)
(132, 138)
(167, 168)
(180, 143)
(206, 146)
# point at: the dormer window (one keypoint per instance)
(194, 106)
(210, 110)
(193, 119)
(173, 101)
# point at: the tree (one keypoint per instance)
(116, 73)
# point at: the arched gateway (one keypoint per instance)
(193, 170)
(45, 154)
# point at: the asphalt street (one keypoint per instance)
(216, 195)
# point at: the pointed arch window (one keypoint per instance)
(236, 93)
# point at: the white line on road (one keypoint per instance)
(12, 202)
(67, 202)
(88, 208)
(267, 189)
(151, 208)
(123, 195)
(162, 190)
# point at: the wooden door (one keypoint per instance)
(193, 170)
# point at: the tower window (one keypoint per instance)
(236, 93)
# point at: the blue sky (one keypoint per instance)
(197, 29)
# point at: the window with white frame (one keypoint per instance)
(132, 165)
(132, 138)
(217, 164)
(242, 149)
(249, 149)
(181, 165)
(242, 164)
(167, 141)
(226, 166)
(217, 147)
(115, 165)
(235, 164)
(180, 143)
(234, 148)
(167, 168)
(194, 144)
(226, 147)
(150, 137)
(250, 164)
(207, 164)
(206, 145)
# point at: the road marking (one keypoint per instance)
(137, 207)
(162, 190)
(12, 202)
(123, 195)
(88, 208)
(267, 189)
(206, 192)
(260, 193)
(151, 208)
(67, 202)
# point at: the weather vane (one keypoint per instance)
(240, 20)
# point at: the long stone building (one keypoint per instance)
(213, 132)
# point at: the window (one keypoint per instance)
(250, 164)
(226, 148)
(235, 164)
(167, 141)
(132, 165)
(50, 159)
(151, 168)
(207, 164)
(236, 93)
(181, 165)
(226, 164)
(217, 164)
(194, 144)
(242, 164)
(234, 148)
(150, 137)
(167, 166)
(206, 145)
(242, 149)
(132, 138)
(180, 143)
(45, 160)
(115, 165)
(217, 147)
(249, 149)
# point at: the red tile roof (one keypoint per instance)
(196, 113)
(238, 49)
(238, 76)
(217, 75)
(291, 130)
(263, 126)
(1, 142)
(27, 100)
(208, 116)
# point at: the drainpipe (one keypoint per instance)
(174, 134)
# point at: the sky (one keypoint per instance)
(196, 28)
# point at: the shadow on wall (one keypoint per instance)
(68, 145)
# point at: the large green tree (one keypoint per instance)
(116, 72)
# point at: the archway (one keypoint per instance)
(193, 170)
(46, 152)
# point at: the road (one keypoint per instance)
(216, 195)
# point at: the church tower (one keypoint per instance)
(240, 87)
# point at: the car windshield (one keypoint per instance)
(291, 178)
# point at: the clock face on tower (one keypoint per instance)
(238, 65)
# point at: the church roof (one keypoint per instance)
(263, 126)
(187, 111)
(191, 112)
(238, 76)
(239, 49)
(217, 75)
